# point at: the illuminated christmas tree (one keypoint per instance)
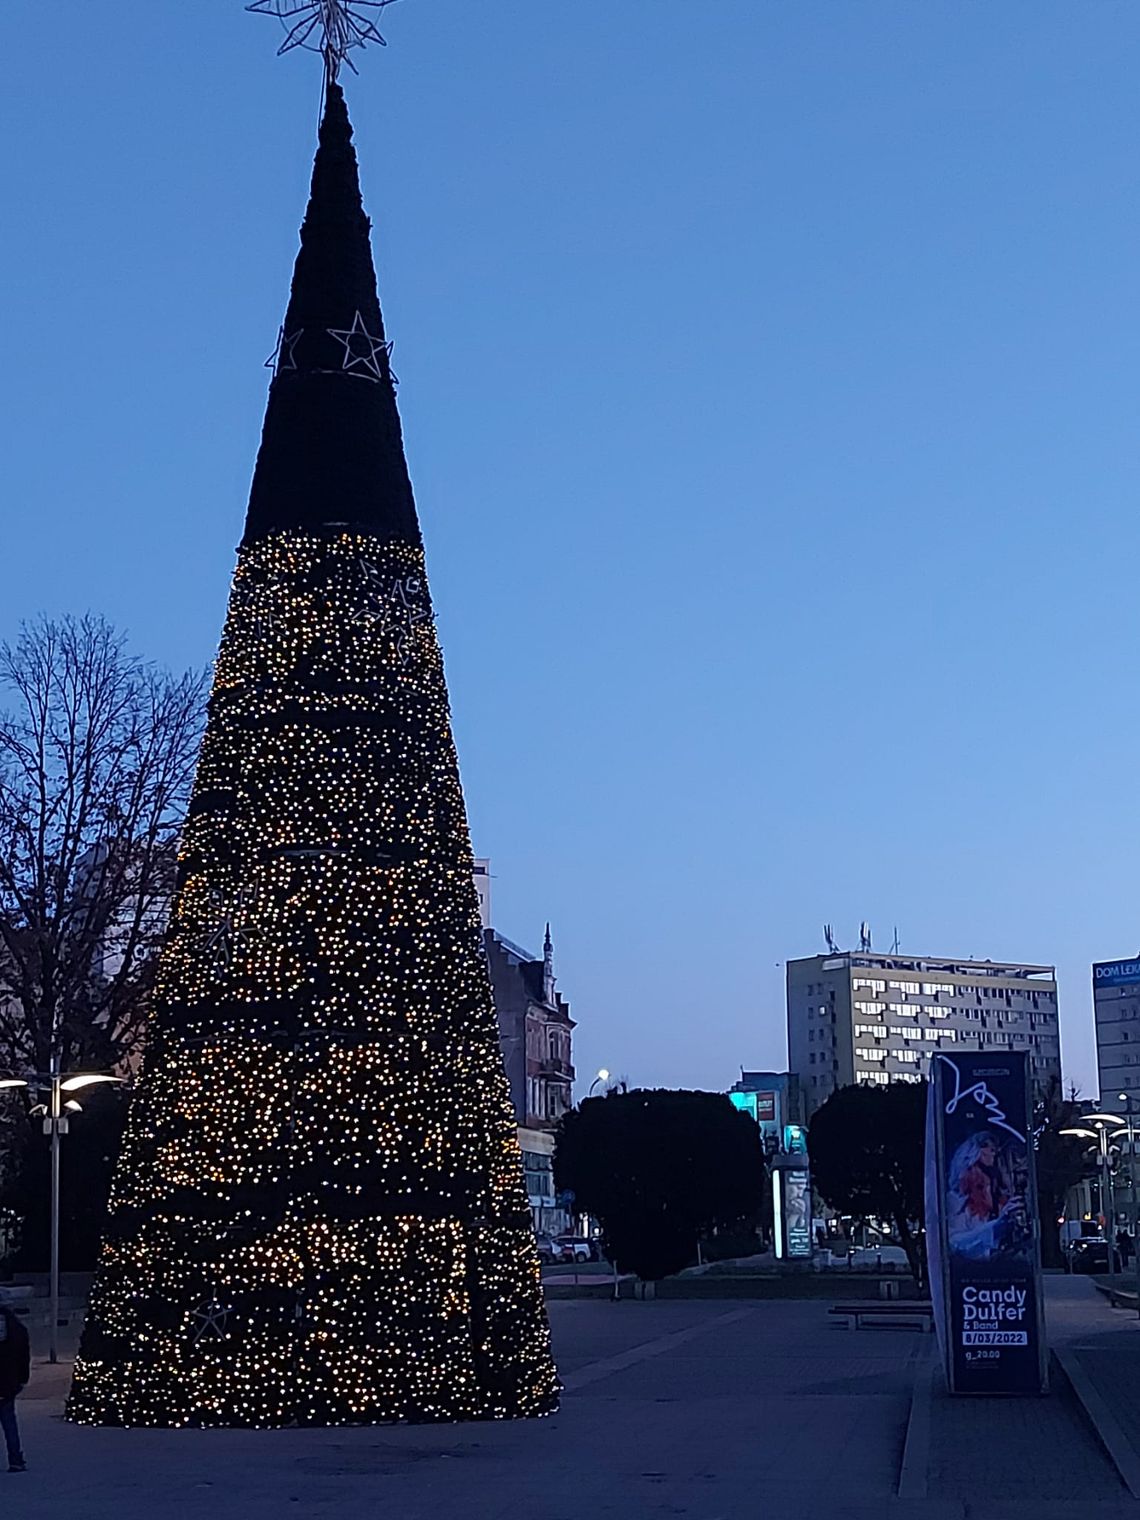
(319, 1215)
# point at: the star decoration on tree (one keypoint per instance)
(330, 27)
(283, 356)
(407, 610)
(396, 605)
(361, 350)
(212, 1319)
(371, 609)
(227, 936)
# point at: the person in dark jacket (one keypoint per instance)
(15, 1370)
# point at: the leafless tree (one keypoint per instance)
(97, 754)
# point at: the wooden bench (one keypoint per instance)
(888, 1313)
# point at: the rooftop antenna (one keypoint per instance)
(895, 942)
(829, 939)
(332, 28)
(865, 935)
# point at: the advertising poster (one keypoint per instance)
(985, 1215)
(934, 1195)
(792, 1212)
(766, 1108)
(745, 1102)
(795, 1140)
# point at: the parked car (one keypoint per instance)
(1089, 1254)
(548, 1249)
(577, 1248)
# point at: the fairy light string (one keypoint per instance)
(319, 1216)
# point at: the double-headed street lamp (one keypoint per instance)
(56, 1111)
(1101, 1128)
(1132, 1131)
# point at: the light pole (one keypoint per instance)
(603, 1076)
(56, 1110)
(1126, 1099)
(1102, 1125)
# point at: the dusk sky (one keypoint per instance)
(769, 375)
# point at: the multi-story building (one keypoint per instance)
(860, 1016)
(1116, 1008)
(536, 1034)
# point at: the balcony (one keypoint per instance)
(552, 1066)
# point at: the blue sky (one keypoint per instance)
(769, 376)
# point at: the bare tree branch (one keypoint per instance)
(97, 755)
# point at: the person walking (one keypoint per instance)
(15, 1370)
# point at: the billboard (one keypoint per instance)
(1115, 973)
(795, 1140)
(745, 1102)
(791, 1210)
(765, 1107)
(982, 1236)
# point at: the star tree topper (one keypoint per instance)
(329, 27)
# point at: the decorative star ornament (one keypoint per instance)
(211, 1319)
(283, 356)
(332, 28)
(226, 937)
(362, 352)
(396, 604)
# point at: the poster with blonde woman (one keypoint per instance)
(982, 1238)
(985, 1202)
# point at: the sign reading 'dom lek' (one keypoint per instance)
(981, 1222)
(1115, 973)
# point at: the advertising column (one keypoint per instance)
(791, 1198)
(982, 1235)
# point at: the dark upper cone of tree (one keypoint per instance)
(332, 452)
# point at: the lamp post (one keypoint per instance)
(56, 1110)
(603, 1076)
(1101, 1129)
(1130, 1131)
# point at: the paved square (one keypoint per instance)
(674, 1408)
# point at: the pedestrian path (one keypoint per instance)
(672, 1408)
(1098, 1347)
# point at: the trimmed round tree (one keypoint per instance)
(867, 1146)
(659, 1169)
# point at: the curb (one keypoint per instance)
(916, 1444)
(1119, 1298)
(1125, 1459)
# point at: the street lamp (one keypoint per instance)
(55, 1110)
(603, 1076)
(1102, 1124)
(1134, 1181)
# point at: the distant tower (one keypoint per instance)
(548, 968)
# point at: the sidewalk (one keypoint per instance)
(671, 1408)
(1099, 1348)
(702, 1410)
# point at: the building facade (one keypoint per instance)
(772, 1098)
(536, 1035)
(864, 1017)
(1116, 1009)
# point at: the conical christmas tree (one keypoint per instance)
(319, 1215)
